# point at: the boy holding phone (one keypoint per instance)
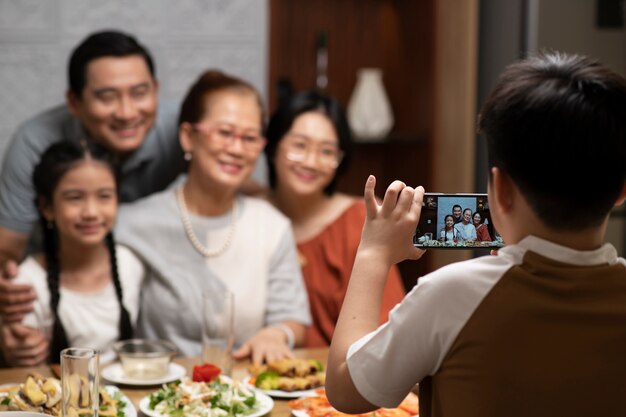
(539, 329)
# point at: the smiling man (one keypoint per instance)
(112, 101)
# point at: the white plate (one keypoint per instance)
(276, 393)
(265, 406)
(129, 410)
(115, 374)
(5, 392)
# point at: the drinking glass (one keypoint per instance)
(217, 328)
(79, 382)
(44, 324)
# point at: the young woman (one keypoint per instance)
(87, 287)
(203, 235)
(308, 149)
(482, 232)
(448, 233)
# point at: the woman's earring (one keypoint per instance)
(187, 156)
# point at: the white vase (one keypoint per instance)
(369, 111)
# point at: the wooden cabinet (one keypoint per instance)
(394, 35)
(399, 158)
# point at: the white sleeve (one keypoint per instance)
(32, 273)
(421, 330)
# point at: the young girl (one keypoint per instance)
(448, 233)
(87, 287)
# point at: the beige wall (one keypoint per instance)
(570, 26)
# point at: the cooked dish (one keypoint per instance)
(221, 397)
(289, 375)
(43, 395)
(318, 406)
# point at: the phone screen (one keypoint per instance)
(456, 221)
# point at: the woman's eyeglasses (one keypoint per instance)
(226, 134)
(299, 146)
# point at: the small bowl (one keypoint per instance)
(145, 359)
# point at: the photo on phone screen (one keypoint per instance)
(456, 221)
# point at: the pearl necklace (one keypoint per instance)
(195, 242)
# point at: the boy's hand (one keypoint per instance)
(389, 227)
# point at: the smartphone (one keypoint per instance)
(447, 222)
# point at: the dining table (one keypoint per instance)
(136, 393)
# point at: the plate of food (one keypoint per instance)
(5, 388)
(287, 378)
(39, 394)
(317, 405)
(221, 397)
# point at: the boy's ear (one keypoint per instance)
(622, 197)
(504, 189)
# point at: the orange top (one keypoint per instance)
(326, 262)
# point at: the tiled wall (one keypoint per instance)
(185, 37)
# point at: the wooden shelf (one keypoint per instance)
(392, 139)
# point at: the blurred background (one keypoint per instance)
(439, 59)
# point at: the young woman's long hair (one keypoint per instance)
(55, 162)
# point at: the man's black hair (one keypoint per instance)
(98, 45)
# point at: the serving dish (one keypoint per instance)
(115, 373)
(191, 398)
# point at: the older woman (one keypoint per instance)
(204, 235)
(466, 229)
(308, 149)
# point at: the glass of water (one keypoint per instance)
(218, 328)
(79, 382)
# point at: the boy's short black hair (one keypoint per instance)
(98, 45)
(288, 111)
(556, 124)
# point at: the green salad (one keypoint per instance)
(219, 398)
